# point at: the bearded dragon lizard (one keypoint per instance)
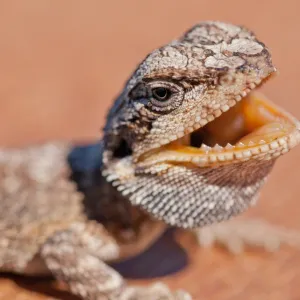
(187, 143)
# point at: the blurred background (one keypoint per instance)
(63, 62)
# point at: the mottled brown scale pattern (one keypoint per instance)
(28, 180)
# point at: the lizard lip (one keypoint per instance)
(253, 128)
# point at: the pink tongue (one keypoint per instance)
(266, 133)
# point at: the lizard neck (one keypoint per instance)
(106, 205)
(102, 202)
(132, 228)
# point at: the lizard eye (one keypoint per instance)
(164, 96)
(161, 93)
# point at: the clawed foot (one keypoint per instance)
(236, 234)
(157, 291)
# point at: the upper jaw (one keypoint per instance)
(254, 128)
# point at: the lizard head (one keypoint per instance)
(188, 139)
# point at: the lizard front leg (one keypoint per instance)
(76, 256)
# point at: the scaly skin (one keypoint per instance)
(146, 173)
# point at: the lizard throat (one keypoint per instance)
(253, 128)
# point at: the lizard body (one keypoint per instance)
(186, 144)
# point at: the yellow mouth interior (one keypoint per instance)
(252, 121)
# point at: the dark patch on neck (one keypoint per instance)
(102, 202)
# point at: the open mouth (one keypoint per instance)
(254, 127)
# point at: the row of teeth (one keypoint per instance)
(217, 153)
(219, 148)
(262, 147)
(267, 150)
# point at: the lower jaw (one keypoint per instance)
(254, 128)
